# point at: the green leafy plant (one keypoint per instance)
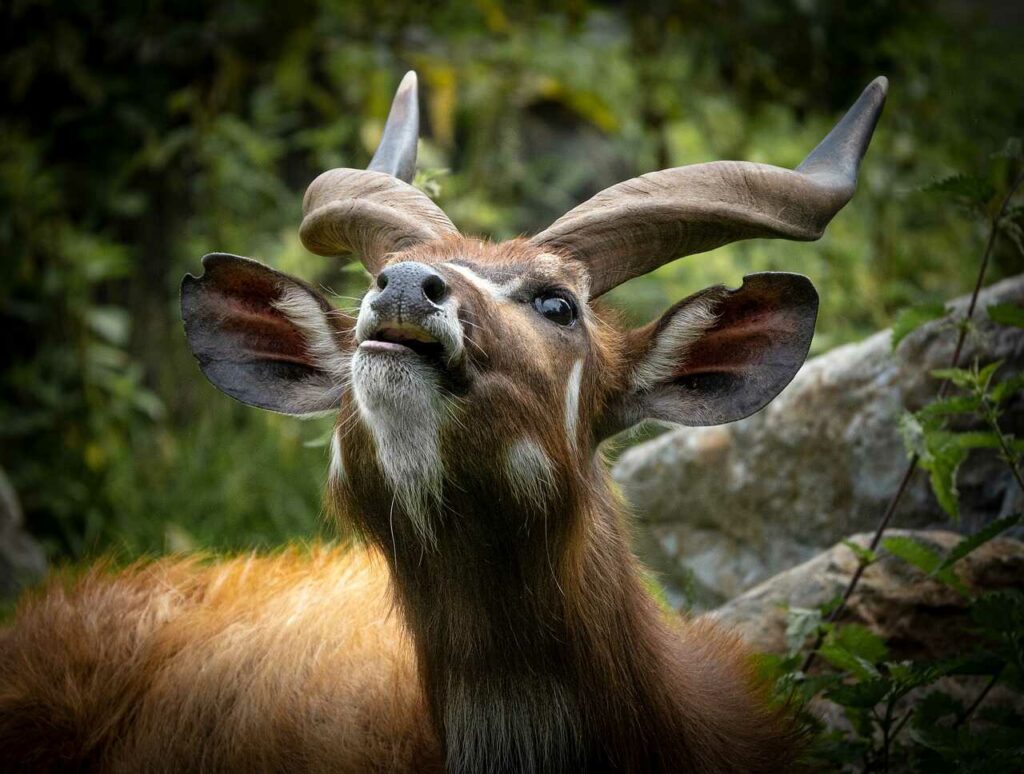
(899, 714)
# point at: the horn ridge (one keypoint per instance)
(638, 225)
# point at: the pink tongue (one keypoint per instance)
(375, 345)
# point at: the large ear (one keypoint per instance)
(263, 337)
(719, 355)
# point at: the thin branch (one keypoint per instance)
(890, 509)
(962, 718)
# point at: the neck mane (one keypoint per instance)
(544, 652)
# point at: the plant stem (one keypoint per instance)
(912, 464)
(992, 417)
(902, 722)
(962, 718)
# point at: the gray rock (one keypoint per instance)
(21, 559)
(920, 617)
(723, 508)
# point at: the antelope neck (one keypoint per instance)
(543, 652)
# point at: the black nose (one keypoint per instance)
(409, 289)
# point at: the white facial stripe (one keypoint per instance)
(669, 349)
(529, 472)
(572, 402)
(501, 291)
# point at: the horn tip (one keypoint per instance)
(409, 83)
(841, 151)
(879, 88)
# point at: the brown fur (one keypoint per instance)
(296, 662)
(523, 640)
(291, 662)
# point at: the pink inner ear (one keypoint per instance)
(261, 330)
(250, 349)
(750, 328)
(239, 302)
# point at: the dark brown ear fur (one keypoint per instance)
(263, 337)
(719, 355)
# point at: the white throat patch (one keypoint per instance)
(400, 404)
(529, 472)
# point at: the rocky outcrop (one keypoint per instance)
(725, 507)
(21, 559)
(921, 618)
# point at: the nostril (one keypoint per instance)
(435, 288)
(382, 280)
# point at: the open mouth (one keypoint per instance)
(403, 339)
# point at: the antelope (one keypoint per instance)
(490, 615)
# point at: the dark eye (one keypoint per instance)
(556, 308)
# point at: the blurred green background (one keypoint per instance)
(137, 136)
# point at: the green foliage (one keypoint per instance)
(899, 715)
(801, 623)
(854, 649)
(973, 542)
(132, 142)
(925, 559)
(972, 190)
(168, 131)
(912, 318)
(926, 433)
(864, 554)
(1007, 314)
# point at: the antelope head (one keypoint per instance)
(476, 383)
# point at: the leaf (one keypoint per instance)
(864, 555)
(908, 675)
(854, 649)
(1007, 314)
(942, 470)
(969, 188)
(961, 377)
(925, 559)
(1013, 149)
(927, 725)
(110, 323)
(912, 431)
(957, 404)
(864, 695)
(801, 623)
(827, 608)
(847, 662)
(913, 552)
(974, 439)
(978, 539)
(985, 374)
(860, 641)
(911, 318)
(941, 452)
(999, 612)
(1007, 388)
